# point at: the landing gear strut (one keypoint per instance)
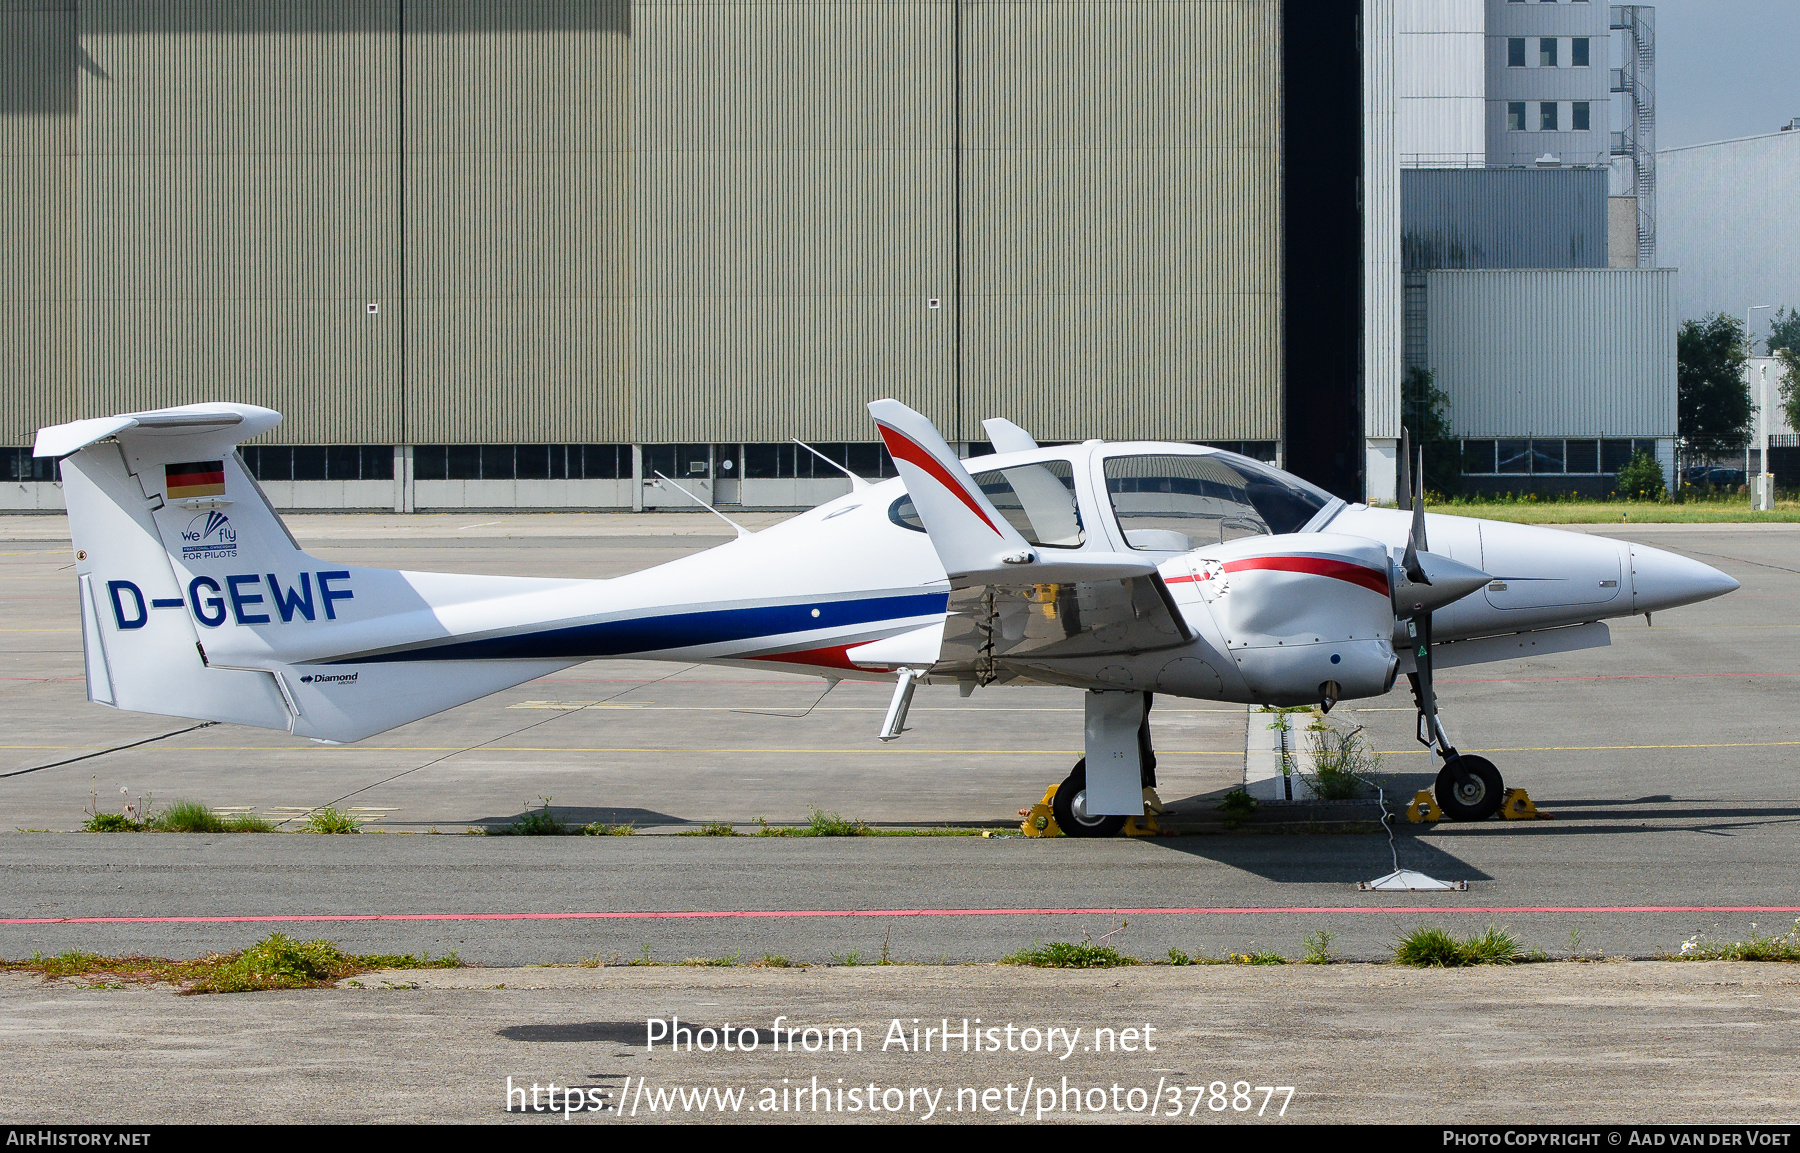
(1070, 804)
(1469, 788)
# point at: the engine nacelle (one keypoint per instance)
(1306, 617)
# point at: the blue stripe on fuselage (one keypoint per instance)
(674, 631)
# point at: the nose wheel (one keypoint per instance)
(1469, 788)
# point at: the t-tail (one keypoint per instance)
(197, 602)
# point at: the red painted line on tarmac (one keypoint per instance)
(1614, 677)
(801, 913)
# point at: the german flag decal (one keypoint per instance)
(196, 478)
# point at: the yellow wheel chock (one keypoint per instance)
(1518, 807)
(1424, 807)
(1145, 826)
(1040, 819)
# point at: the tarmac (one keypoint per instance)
(1667, 761)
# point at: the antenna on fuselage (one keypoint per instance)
(856, 482)
(741, 530)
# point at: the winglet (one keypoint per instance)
(968, 531)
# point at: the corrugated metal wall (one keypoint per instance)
(239, 209)
(792, 217)
(1381, 224)
(1121, 218)
(37, 158)
(1755, 184)
(517, 221)
(645, 220)
(1503, 218)
(1556, 352)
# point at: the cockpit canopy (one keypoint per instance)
(1163, 502)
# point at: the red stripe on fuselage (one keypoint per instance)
(905, 448)
(1316, 566)
(830, 657)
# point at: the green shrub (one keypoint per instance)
(1063, 955)
(187, 817)
(1342, 764)
(330, 820)
(1641, 479)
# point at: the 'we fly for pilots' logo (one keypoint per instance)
(209, 536)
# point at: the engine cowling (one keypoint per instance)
(1306, 617)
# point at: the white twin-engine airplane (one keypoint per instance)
(1123, 569)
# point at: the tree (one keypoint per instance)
(1714, 395)
(1425, 412)
(1784, 344)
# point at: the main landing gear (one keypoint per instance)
(1469, 788)
(1070, 804)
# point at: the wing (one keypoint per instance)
(1016, 607)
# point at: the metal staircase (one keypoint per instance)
(1637, 141)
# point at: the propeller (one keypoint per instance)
(1426, 582)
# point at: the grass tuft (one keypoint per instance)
(713, 962)
(711, 829)
(1236, 805)
(276, 962)
(1429, 947)
(772, 961)
(1318, 949)
(330, 820)
(1064, 955)
(247, 823)
(187, 817)
(600, 829)
(112, 823)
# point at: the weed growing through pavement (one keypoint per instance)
(1343, 763)
(713, 962)
(850, 959)
(1065, 955)
(1429, 947)
(276, 962)
(772, 961)
(1783, 948)
(1236, 805)
(1318, 949)
(711, 829)
(601, 829)
(331, 820)
(1257, 957)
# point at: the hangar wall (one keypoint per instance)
(633, 221)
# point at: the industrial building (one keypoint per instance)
(510, 254)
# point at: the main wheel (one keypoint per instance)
(1474, 799)
(1070, 807)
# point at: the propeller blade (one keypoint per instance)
(1415, 539)
(1403, 496)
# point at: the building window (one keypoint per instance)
(1547, 116)
(319, 461)
(17, 464)
(1583, 456)
(1515, 456)
(783, 461)
(521, 461)
(1546, 456)
(1578, 52)
(1579, 118)
(1478, 457)
(1515, 52)
(1547, 52)
(1515, 116)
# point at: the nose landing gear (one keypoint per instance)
(1469, 788)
